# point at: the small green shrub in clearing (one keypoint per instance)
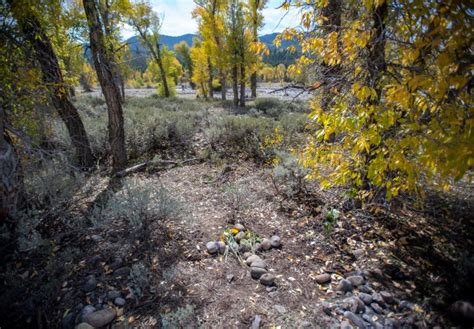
(288, 175)
(275, 107)
(137, 202)
(231, 135)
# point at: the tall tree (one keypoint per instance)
(102, 62)
(402, 118)
(184, 56)
(25, 14)
(256, 18)
(147, 23)
(210, 16)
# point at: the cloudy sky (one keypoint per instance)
(178, 20)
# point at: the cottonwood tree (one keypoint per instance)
(147, 24)
(103, 60)
(403, 117)
(210, 16)
(256, 21)
(238, 41)
(184, 56)
(28, 18)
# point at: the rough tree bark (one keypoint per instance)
(162, 70)
(235, 84)
(110, 89)
(242, 79)
(53, 78)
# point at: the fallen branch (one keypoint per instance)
(142, 166)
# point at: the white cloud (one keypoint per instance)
(178, 19)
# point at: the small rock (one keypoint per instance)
(230, 278)
(256, 322)
(355, 320)
(240, 227)
(271, 289)
(84, 325)
(247, 255)
(119, 301)
(221, 246)
(258, 246)
(257, 272)
(258, 263)
(344, 285)
(267, 279)
(406, 305)
(322, 278)
(366, 289)
(346, 325)
(244, 246)
(90, 284)
(391, 324)
(88, 309)
(356, 280)
(94, 260)
(358, 253)
(239, 236)
(357, 306)
(378, 298)
(280, 309)
(266, 244)
(376, 307)
(212, 247)
(251, 259)
(306, 325)
(374, 324)
(273, 294)
(366, 298)
(100, 318)
(275, 241)
(122, 271)
(111, 295)
(387, 297)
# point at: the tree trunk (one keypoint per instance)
(11, 178)
(110, 90)
(223, 86)
(209, 83)
(235, 84)
(242, 84)
(253, 84)
(162, 71)
(53, 78)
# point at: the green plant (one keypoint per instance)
(182, 317)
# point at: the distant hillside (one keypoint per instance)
(140, 54)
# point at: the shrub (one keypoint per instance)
(289, 176)
(240, 134)
(182, 317)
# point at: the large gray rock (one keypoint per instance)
(88, 309)
(344, 285)
(90, 284)
(84, 325)
(258, 263)
(275, 241)
(322, 278)
(387, 297)
(239, 236)
(463, 310)
(251, 259)
(366, 298)
(240, 227)
(257, 272)
(266, 244)
(356, 280)
(267, 279)
(355, 320)
(100, 318)
(212, 247)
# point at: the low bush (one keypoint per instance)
(231, 135)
